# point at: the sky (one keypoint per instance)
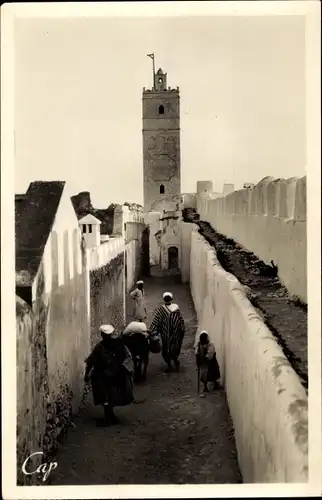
(78, 100)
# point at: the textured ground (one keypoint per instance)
(172, 436)
(284, 316)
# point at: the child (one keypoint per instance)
(207, 361)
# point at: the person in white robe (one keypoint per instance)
(138, 296)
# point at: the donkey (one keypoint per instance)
(138, 346)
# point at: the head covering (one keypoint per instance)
(203, 334)
(108, 330)
(140, 282)
(167, 294)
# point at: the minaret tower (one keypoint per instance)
(161, 145)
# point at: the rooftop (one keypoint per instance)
(89, 219)
(34, 218)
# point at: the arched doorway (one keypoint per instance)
(173, 258)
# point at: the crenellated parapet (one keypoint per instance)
(268, 218)
(285, 198)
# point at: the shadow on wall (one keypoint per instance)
(145, 256)
(68, 327)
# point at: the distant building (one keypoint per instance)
(90, 227)
(161, 146)
(161, 162)
(169, 241)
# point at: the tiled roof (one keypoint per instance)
(34, 218)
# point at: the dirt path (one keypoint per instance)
(172, 436)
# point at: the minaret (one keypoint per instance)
(161, 145)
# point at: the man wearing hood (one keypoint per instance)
(169, 323)
(110, 368)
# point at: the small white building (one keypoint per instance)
(90, 227)
(169, 241)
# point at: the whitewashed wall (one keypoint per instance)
(270, 221)
(66, 295)
(103, 254)
(153, 220)
(186, 229)
(170, 237)
(133, 261)
(189, 200)
(267, 402)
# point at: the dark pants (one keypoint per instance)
(171, 356)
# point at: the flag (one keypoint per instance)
(151, 55)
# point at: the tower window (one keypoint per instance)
(84, 228)
(162, 189)
(161, 110)
(89, 228)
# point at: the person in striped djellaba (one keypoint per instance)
(169, 324)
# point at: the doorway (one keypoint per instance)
(173, 258)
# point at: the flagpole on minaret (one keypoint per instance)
(153, 67)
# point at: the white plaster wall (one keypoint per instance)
(267, 402)
(121, 214)
(65, 220)
(270, 221)
(171, 236)
(186, 229)
(131, 264)
(202, 204)
(189, 200)
(103, 254)
(66, 303)
(153, 220)
(92, 239)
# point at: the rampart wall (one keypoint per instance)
(267, 402)
(76, 289)
(270, 221)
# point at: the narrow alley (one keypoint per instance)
(171, 436)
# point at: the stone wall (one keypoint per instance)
(267, 402)
(107, 296)
(32, 387)
(161, 150)
(270, 221)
